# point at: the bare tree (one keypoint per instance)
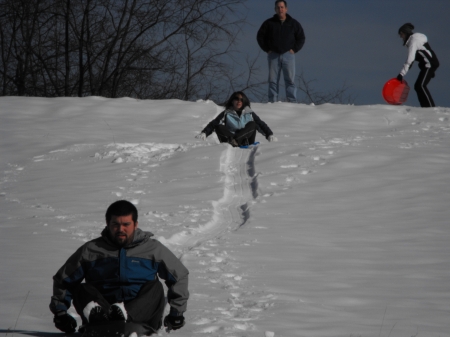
(139, 48)
(247, 79)
(311, 95)
(154, 49)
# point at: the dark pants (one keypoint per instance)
(245, 136)
(421, 89)
(147, 307)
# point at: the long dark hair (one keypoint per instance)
(245, 100)
(407, 30)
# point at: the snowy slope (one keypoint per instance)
(338, 229)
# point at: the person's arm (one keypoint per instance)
(412, 49)
(263, 128)
(69, 275)
(211, 125)
(299, 38)
(261, 37)
(175, 275)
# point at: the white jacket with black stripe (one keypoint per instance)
(419, 50)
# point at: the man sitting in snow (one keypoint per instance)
(121, 270)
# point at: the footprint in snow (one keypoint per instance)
(202, 321)
(210, 329)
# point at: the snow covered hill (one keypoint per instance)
(341, 228)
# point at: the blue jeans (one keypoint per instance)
(286, 63)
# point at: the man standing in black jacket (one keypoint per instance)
(281, 37)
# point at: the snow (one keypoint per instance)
(341, 228)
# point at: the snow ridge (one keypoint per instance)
(232, 210)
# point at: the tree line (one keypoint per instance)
(148, 49)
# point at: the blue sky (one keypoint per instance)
(356, 42)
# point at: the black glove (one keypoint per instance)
(173, 322)
(64, 322)
(400, 77)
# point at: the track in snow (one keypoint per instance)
(232, 210)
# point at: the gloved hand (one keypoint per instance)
(400, 77)
(272, 138)
(201, 136)
(65, 322)
(173, 322)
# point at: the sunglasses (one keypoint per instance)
(239, 99)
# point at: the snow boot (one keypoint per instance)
(94, 313)
(117, 312)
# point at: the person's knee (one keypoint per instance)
(154, 286)
(251, 125)
(223, 133)
(221, 137)
(418, 87)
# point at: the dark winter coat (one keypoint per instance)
(234, 122)
(119, 273)
(280, 37)
(419, 50)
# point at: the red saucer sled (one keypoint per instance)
(395, 92)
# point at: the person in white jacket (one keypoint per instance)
(419, 50)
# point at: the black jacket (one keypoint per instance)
(280, 37)
(233, 121)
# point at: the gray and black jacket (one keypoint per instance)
(119, 273)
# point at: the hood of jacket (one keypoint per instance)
(418, 39)
(140, 236)
(246, 110)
